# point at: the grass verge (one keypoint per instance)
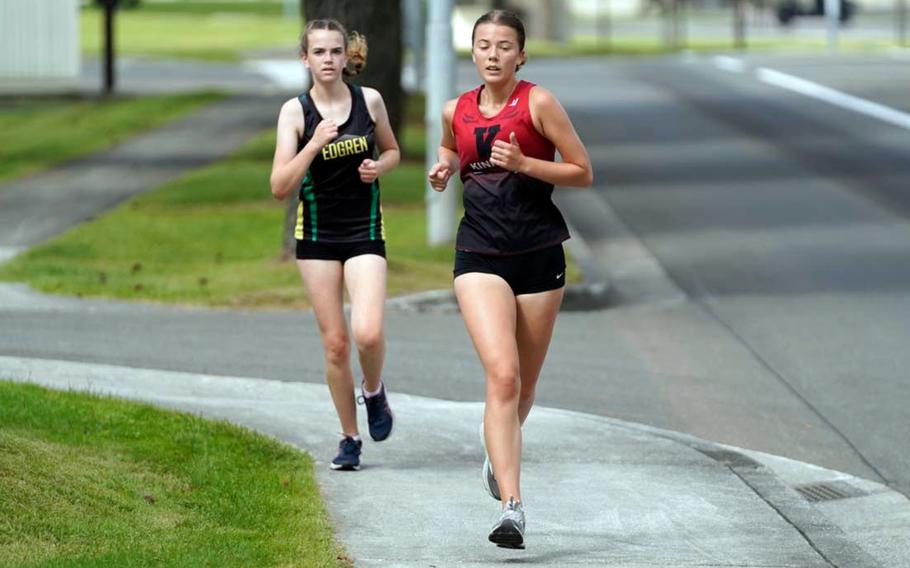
(212, 237)
(36, 133)
(198, 31)
(92, 481)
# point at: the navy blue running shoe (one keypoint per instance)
(348, 458)
(379, 416)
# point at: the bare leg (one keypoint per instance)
(365, 277)
(323, 281)
(536, 318)
(489, 309)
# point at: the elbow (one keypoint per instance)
(588, 179)
(279, 191)
(584, 178)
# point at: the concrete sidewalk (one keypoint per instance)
(597, 491)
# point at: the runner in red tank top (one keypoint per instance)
(509, 261)
(505, 212)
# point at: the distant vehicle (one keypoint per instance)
(789, 9)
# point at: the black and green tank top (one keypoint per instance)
(335, 206)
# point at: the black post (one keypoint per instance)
(109, 79)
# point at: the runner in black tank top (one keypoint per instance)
(335, 205)
(509, 263)
(326, 150)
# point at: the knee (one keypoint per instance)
(368, 340)
(337, 348)
(503, 383)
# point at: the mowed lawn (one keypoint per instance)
(94, 481)
(214, 31)
(36, 133)
(213, 237)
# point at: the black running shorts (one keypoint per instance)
(315, 250)
(526, 273)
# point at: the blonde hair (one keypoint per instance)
(355, 44)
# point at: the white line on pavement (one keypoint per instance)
(816, 91)
(728, 63)
(836, 98)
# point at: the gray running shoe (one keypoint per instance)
(509, 531)
(486, 475)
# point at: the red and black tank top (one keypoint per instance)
(335, 206)
(504, 212)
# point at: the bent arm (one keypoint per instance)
(447, 153)
(389, 152)
(552, 122)
(290, 166)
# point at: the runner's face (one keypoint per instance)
(496, 53)
(325, 56)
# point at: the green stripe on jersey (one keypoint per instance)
(374, 210)
(309, 195)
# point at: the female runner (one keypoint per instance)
(509, 261)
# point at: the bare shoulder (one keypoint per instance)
(448, 109)
(371, 96)
(542, 99)
(291, 109)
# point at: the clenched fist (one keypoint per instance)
(439, 175)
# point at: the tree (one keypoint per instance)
(380, 22)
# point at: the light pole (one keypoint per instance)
(440, 78)
(832, 13)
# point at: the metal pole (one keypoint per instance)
(671, 16)
(109, 78)
(291, 9)
(739, 24)
(440, 77)
(832, 14)
(605, 25)
(414, 27)
(901, 22)
(682, 32)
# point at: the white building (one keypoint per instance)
(39, 46)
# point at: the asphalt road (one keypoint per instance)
(782, 220)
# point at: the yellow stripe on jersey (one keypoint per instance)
(298, 230)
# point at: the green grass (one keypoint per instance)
(260, 7)
(212, 237)
(92, 481)
(218, 36)
(36, 133)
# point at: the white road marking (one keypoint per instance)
(834, 97)
(727, 63)
(816, 91)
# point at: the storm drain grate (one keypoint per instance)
(828, 491)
